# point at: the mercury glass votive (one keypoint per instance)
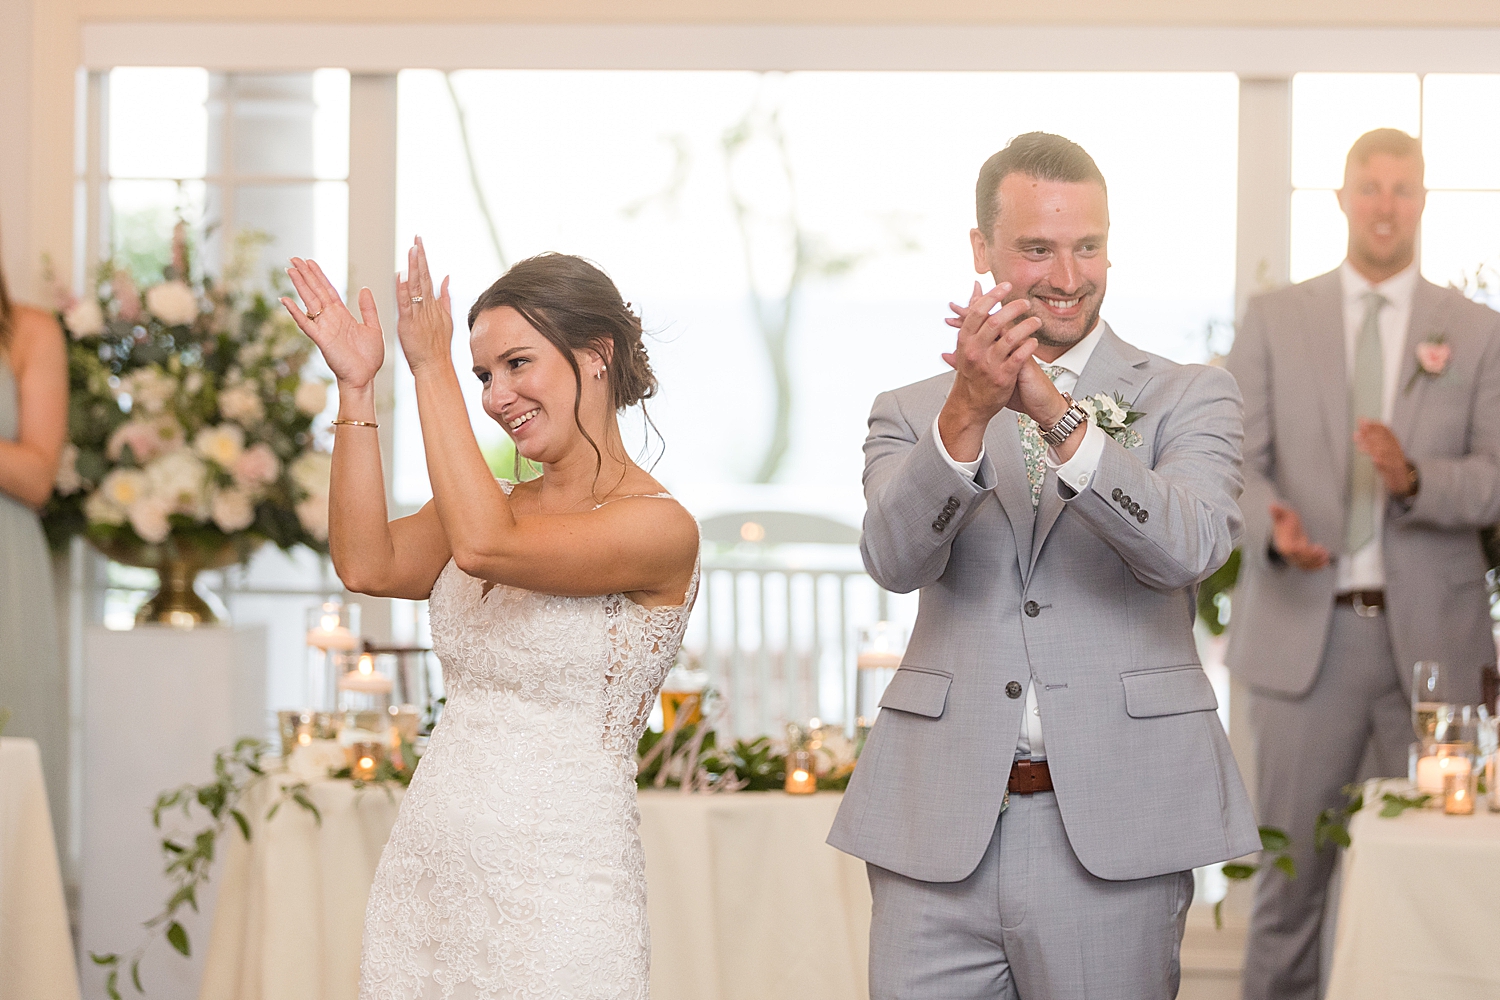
(365, 760)
(1458, 794)
(1438, 761)
(801, 773)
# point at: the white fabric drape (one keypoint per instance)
(1418, 915)
(745, 899)
(36, 950)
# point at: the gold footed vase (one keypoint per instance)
(177, 602)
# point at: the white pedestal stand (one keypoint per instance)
(157, 703)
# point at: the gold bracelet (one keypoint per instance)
(355, 423)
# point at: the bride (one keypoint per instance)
(557, 605)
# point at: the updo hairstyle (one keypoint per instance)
(576, 306)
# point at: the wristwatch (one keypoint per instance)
(1064, 428)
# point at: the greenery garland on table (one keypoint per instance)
(188, 858)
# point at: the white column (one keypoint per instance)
(372, 263)
(1263, 240)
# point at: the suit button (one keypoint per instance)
(1124, 499)
(1141, 517)
(938, 526)
(1115, 494)
(1135, 508)
(1032, 609)
(952, 504)
(1013, 689)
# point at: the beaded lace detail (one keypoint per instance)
(515, 868)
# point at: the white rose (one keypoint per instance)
(148, 388)
(193, 383)
(313, 513)
(172, 302)
(148, 516)
(100, 509)
(221, 444)
(242, 404)
(68, 480)
(85, 319)
(311, 471)
(232, 510)
(312, 396)
(180, 480)
(1116, 413)
(123, 487)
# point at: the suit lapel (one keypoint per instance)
(1425, 324)
(1002, 441)
(1327, 365)
(1112, 368)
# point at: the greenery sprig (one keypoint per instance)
(1276, 848)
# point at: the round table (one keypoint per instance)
(36, 948)
(745, 899)
(1419, 906)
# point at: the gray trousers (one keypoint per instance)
(1307, 750)
(1030, 923)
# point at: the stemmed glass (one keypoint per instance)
(1426, 706)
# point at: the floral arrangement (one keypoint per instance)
(190, 420)
(1114, 416)
(689, 757)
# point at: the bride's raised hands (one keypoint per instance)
(424, 321)
(353, 348)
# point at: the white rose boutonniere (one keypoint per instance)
(1112, 415)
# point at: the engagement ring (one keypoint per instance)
(416, 298)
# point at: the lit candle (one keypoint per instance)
(1458, 795)
(366, 759)
(801, 775)
(364, 679)
(878, 659)
(330, 631)
(1431, 771)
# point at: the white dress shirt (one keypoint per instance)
(1365, 570)
(1074, 475)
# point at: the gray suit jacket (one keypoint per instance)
(1093, 601)
(1289, 359)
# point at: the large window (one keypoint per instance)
(1458, 119)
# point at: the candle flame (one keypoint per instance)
(304, 738)
(367, 664)
(799, 775)
(367, 762)
(329, 622)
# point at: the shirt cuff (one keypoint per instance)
(970, 469)
(1075, 474)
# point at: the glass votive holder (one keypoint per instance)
(298, 728)
(801, 773)
(1458, 794)
(365, 759)
(1438, 761)
(361, 688)
(333, 625)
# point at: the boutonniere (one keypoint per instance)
(1432, 359)
(1113, 416)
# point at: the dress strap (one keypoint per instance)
(638, 496)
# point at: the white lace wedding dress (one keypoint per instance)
(515, 867)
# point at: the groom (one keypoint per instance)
(1047, 767)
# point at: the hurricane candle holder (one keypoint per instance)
(361, 688)
(1438, 761)
(365, 760)
(801, 773)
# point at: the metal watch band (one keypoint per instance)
(1065, 427)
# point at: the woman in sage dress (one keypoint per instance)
(514, 868)
(33, 425)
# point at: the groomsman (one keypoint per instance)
(1372, 459)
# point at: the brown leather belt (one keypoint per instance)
(1366, 603)
(1030, 776)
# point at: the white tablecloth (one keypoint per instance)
(36, 950)
(745, 899)
(1419, 908)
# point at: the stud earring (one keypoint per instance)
(600, 373)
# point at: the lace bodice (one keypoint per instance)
(515, 869)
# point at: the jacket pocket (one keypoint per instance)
(918, 690)
(1168, 691)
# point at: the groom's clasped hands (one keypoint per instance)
(995, 370)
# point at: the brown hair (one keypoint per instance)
(1042, 155)
(7, 315)
(576, 306)
(1387, 141)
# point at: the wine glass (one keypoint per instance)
(1425, 703)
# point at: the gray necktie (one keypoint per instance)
(1366, 399)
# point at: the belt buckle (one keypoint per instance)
(1356, 599)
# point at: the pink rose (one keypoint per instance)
(256, 466)
(1433, 356)
(145, 438)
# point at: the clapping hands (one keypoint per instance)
(353, 348)
(424, 322)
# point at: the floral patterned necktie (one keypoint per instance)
(1033, 448)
